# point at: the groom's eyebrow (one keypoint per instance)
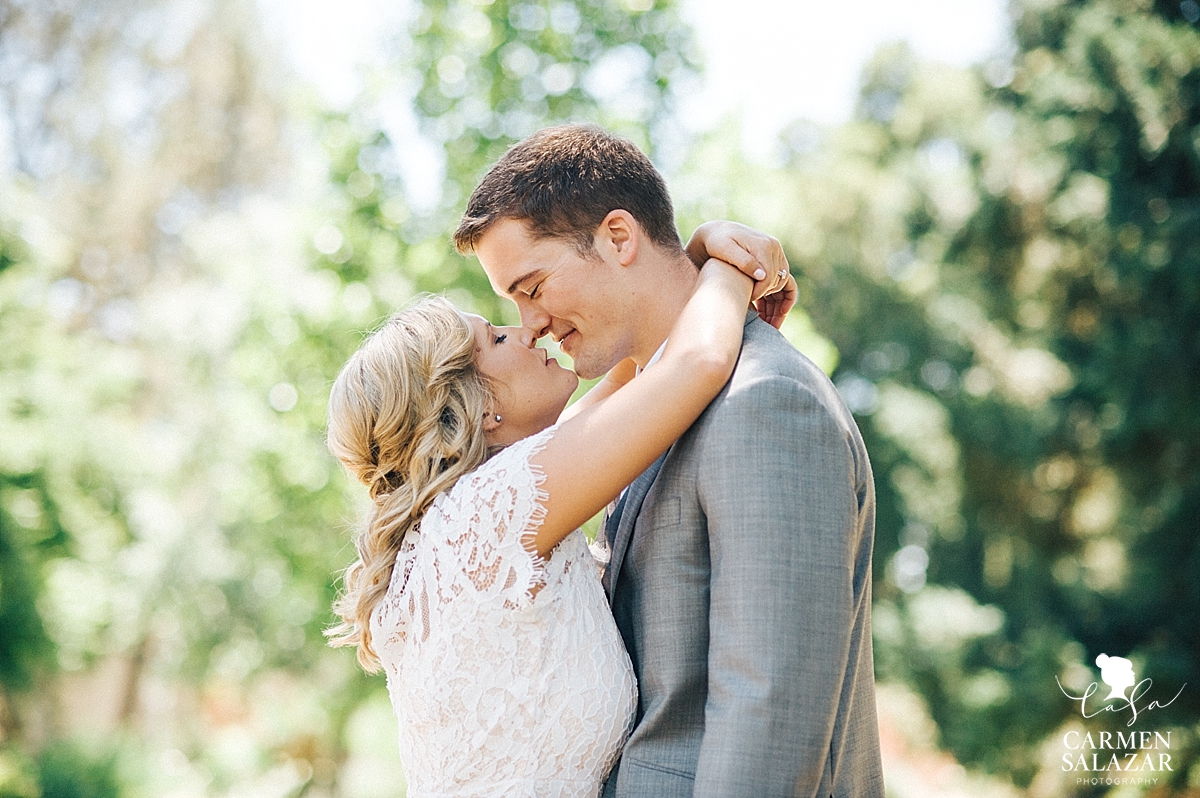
(512, 289)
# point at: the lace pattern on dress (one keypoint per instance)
(506, 671)
(504, 497)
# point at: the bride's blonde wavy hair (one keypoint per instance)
(405, 419)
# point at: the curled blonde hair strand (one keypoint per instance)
(405, 419)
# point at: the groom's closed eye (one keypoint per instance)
(528, 277)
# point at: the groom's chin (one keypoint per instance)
(588, 374)
(588, 369)
(590, 364)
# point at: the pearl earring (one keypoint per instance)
(498, 419)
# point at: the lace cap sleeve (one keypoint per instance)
(492, 517)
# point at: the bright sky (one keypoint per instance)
(771, 60)
(780, 60)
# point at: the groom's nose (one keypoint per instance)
(534, 320)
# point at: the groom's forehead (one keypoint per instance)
(513, 257)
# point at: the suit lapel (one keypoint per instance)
(619, 528)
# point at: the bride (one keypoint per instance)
(474, 588)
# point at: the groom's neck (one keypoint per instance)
(666, 285)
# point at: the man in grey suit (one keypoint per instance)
(740, 570)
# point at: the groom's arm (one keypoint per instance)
(777, 486)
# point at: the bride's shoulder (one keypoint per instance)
(508, 478)
(511, 463)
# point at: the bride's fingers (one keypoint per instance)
(774, 307)
(771, 284)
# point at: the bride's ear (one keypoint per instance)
(492, 422)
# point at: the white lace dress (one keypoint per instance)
(506, 672)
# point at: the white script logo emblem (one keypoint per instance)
(1117, 673)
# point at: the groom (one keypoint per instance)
(740, 572)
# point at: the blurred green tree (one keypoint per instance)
(174, 302)
(494, 73)
(164, 541)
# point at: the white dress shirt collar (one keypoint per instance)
(657, 356)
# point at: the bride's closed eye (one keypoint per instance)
(500, 338)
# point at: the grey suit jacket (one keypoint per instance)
(740, 578)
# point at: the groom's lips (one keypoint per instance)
(566, 341)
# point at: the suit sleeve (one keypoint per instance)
(778, 484)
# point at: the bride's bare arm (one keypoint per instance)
(600, 450)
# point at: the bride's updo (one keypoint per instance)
(406, 419)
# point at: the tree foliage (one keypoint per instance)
(170, 523)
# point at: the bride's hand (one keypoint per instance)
(757, 255)
(773, 307)
(773, 295)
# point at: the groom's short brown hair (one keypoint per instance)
(562, 182)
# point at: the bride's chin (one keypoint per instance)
(564, 400)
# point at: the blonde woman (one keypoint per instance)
(474, 589)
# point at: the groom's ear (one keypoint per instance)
(618, 236)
